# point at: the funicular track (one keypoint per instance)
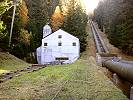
(123, 70)
(6, 76)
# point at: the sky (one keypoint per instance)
(90, 5)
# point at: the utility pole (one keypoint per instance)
(13, 17)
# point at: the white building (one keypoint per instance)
(59, 46)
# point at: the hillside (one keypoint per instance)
(78, 81)
(9, 62)
(81, 80)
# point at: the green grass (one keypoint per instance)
(9, 63)
(84, 82)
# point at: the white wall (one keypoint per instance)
(66, 50)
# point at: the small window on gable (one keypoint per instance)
(74, 44)
(59, 36)
(60, 44)
(45, 44)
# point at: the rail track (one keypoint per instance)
(64, 84)
(6, 76)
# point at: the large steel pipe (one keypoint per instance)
(124, 70)
(102, 42)
(127, 62)
(96, 41)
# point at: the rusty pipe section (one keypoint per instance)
(124, 70)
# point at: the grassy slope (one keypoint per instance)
(9, 62)
(84, 82)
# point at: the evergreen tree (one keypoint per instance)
(40, 12)
(116, 16)
(4, 6)
(18, 45)
(75, 23)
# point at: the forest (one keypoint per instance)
(31, 16)
(115, 17)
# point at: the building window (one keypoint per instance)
(59, 36)
(60, 44)
(62, 58)
(74, 44)
(45, 44)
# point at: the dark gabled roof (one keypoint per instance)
(48, 35)
(56, 31)
(51, 33)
